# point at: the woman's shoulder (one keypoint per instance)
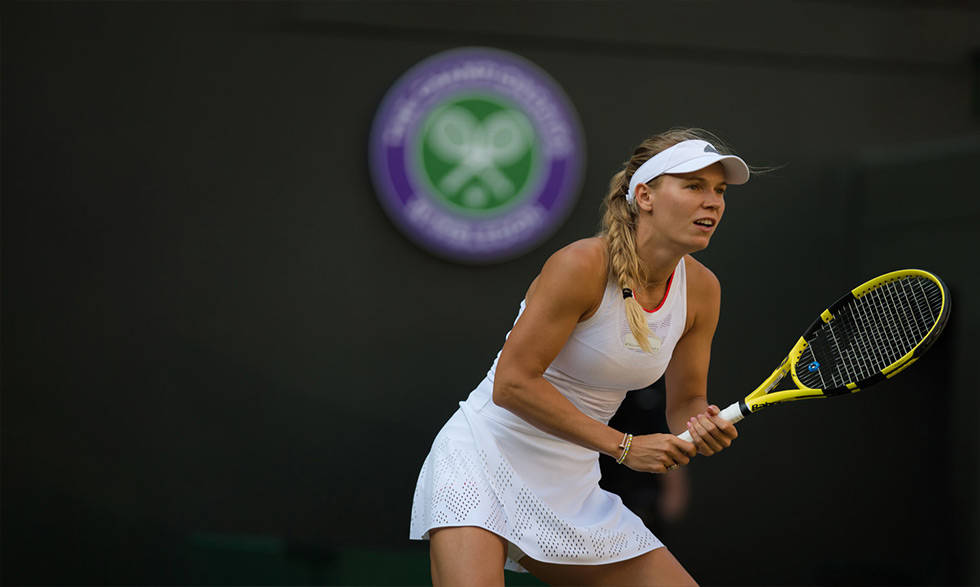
(586, 258)
(579, 269)
(703, 286)
(699, 275)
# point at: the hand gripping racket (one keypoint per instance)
(871, 334)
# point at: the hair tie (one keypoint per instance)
(627, 293)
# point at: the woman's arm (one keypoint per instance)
(687, 373)
(568, 289)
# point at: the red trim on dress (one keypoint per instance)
(666, 293)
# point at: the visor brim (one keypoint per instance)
(736, 170)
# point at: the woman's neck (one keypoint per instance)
(657, 259)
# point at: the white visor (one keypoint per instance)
(688, 156)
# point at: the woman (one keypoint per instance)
(512, 478)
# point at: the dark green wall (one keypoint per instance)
(210, 328)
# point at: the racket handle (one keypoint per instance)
(732, 413)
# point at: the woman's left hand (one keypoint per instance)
(711, 432)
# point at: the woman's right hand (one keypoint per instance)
(657, 453)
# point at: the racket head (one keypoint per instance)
(870, 334)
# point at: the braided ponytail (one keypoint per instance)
(619, 224)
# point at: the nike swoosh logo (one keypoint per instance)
(710, 149)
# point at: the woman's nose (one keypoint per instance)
(713, 202)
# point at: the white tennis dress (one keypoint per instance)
(492, 469)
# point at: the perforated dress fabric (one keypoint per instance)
(489, 468)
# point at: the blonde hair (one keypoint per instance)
(619, 222)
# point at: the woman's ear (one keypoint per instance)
(644, 197)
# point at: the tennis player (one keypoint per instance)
(512, 478)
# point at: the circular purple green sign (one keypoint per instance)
(476, 155)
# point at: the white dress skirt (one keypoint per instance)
(547, 504)
(490, 468)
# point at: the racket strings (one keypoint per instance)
(870, 333)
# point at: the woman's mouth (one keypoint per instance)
(705, 224)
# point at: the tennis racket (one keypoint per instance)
(871, 334)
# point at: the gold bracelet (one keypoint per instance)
(625, 445)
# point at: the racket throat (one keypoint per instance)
(743, 408)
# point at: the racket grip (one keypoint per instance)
(732, 413)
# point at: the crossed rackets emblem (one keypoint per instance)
(479, 149)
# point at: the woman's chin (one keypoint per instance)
(699, 244)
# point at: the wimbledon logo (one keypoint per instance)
(476, 155)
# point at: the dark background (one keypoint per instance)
(223, 364)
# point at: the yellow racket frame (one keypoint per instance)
(764, 395)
